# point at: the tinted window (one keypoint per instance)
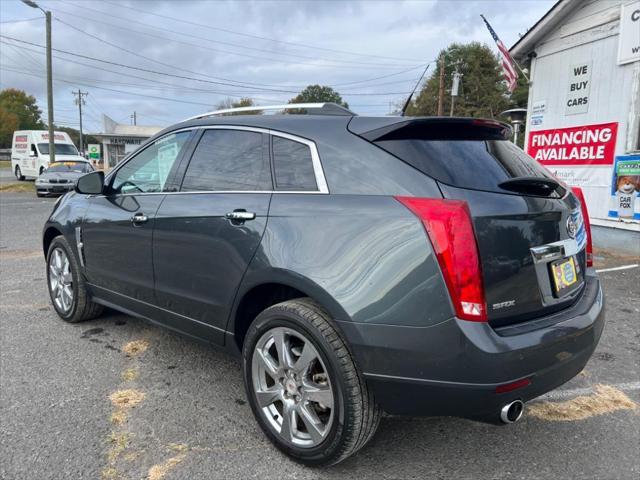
(293, 165)
(148, 171)
(228, 160)
(477, 164)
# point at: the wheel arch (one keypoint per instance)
(49, 234)
(271, 288)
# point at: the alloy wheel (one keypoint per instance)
(61, 280)
(292, 387)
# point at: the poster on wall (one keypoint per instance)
(625, 188)
(578, 88)
(574, 146)
(629, 38)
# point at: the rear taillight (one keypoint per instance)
(587, 224)
(448, 225)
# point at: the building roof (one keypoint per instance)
(114, 129)
(543, 27)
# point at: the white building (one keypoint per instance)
(118, 140)
(583, 118)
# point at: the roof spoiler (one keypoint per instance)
(429, 128)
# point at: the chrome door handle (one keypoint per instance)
(139, 218)
(240, 215)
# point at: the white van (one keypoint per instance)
(30, 151)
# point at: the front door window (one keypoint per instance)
(148, 171)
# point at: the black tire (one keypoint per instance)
(82, 308)
(18, 173)
(356, 415)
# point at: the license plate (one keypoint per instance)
(565, 275)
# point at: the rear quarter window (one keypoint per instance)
(293, 165)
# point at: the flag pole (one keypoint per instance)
(514, 60)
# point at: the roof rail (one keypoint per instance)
(319, 109)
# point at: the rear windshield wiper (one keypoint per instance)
(531, 185)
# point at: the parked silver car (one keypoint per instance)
(61, 177)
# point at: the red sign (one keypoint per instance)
(585, 145)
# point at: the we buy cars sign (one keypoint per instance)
(584, 145)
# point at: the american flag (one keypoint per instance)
(508, 63)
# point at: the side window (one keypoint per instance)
(293, 166)
(148, 171)
(228, 160)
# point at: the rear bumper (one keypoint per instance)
(453, 368)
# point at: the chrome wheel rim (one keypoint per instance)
(292, 387)
(60, 280)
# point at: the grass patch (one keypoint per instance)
(126, 398)
(130, 374)
(135, 348)
(158, 472)
(5, 163)
(17, 187)
(119, 417)
(606, 399)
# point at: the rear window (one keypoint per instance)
(79, 167)
(475, 164)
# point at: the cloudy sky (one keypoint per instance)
(187, 56)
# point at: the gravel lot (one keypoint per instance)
(192, 421)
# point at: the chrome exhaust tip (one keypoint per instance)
(512, 412)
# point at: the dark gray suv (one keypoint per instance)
(418, 266)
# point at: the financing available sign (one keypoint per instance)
(583, 145)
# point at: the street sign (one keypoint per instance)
(94, 151)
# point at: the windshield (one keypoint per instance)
(61, 149)
(80, 167)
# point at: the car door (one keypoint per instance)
(206, 234)
(118, 226)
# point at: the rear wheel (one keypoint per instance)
(18, 173)
(66, 285)
(303, 386)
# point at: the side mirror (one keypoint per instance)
(33, 153)
(91, 183)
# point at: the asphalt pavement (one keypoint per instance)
(119, 398)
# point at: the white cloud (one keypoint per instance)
(411, 31)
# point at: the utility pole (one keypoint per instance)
(47, 15)
(134, 118)
(80, 101)
(441, 89)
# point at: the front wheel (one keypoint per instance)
(18, 173)
(67, 287)
(303, 385)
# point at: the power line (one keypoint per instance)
(110, 89)
(84, 84)
(173, 86)
(22, 20)
(164, 29)
(174, 19)
(183, 77)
